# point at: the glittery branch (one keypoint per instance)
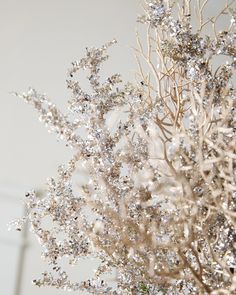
(160, 201)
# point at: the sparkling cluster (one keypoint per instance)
(159, 206)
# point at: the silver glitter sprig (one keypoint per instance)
(160, 201)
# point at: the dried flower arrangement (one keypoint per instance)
(160, 203)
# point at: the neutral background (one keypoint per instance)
(39, 39)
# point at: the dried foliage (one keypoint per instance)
(160, 203)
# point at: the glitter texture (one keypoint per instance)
(160, 203)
